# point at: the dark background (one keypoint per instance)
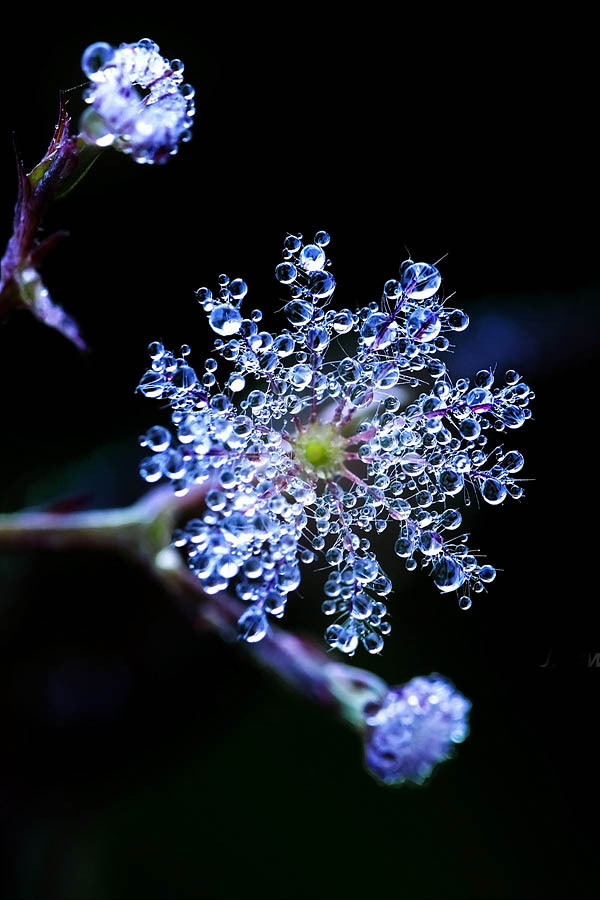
(140, 759)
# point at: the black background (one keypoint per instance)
(140, 759)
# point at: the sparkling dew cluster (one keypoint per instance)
(307, 451)
(138, 103)
(414, 728)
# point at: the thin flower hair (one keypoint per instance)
(306, 448)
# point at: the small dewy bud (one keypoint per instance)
(137, 102)
(414, 729)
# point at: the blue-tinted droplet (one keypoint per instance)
(95, 57)
(225, 319)
(321, 284)
(252, 625)
(448, 574)
(312, 258)
(493, 491)
(420, 280)
(423, 325)
(286, 272)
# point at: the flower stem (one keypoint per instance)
(142, 533)
(65, 162)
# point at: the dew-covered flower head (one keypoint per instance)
(316, 439)
(414, 728)
(138, 103)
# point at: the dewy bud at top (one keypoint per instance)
(310, 450)
(138, 103)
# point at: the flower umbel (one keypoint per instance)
(307, 449)
(137, 101)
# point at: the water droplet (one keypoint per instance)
(362, 606)
(284, 345)
(451, 482)
(321, 285)
(158, 438)
(156, 350)
(184, 378)
(513, 416)
(300, 376)
(448, 574)
(203, 295)
(252, 625)
(299, 312)
(423, 325)
(404, 547)
(152, 384)
(238, 289)
(493, 491)
(469, 429)
(430, 543)
(225, 319)
(373, 642)
(312, 258)
(95, 57)
(420, 280)
(379, 330)
(512, 462)
(458, 320)
(151, 469)
(148, 44)
(392, 289)
(292, 243)
(479, 396)
(487, 574)
(343, 321)
(236, 382)
(286, 272)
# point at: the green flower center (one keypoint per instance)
(320, 450)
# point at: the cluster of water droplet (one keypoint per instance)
(138, 103)
(306, 450)
(414, 728)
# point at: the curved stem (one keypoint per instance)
(142, 532)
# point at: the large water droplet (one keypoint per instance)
(312, 258)
(423, 325)
(378, 330)
(286, 272)
(493, 491)
(252, 625)
(321, 285)
(420, 280)
(448, 574)
(225, 319)
(95, 57)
